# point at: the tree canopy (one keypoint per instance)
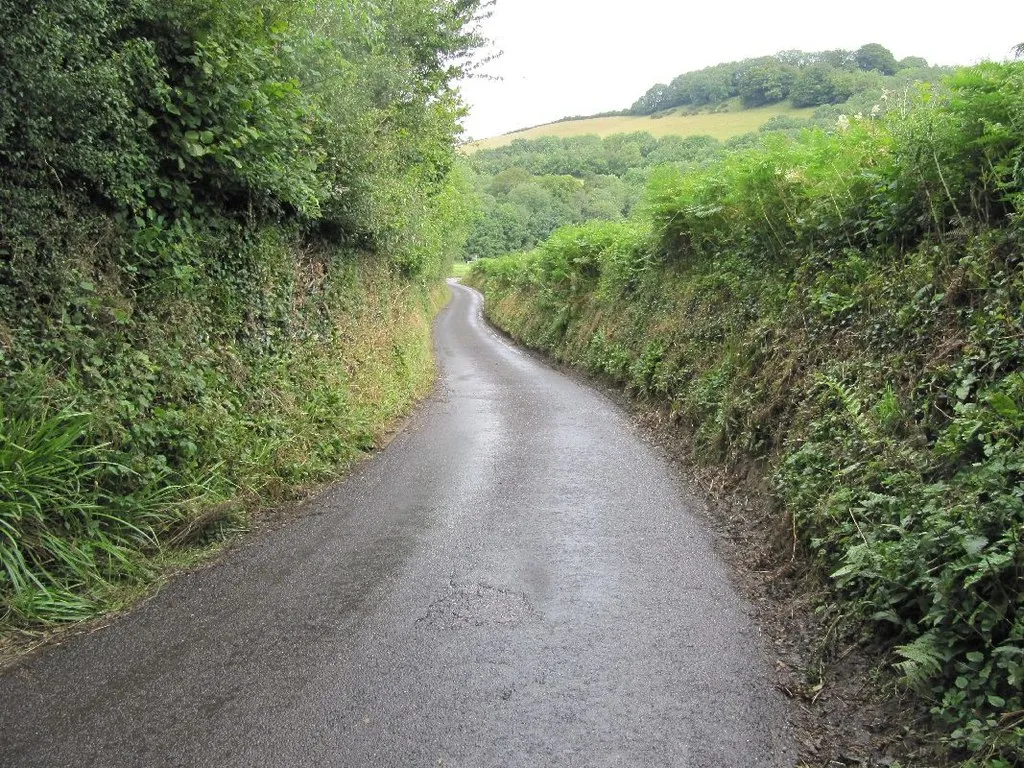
(530, 188)
(333, 114)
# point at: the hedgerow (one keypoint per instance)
(220, 228)
(843, 308)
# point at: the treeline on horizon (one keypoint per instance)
(805, 79)
(841, 311)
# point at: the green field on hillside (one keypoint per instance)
(678, 122)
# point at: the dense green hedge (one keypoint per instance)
(848, 310)
(219, 227)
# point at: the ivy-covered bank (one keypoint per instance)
(222, 232)
(847, 311)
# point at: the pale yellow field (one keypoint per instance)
(722, 125)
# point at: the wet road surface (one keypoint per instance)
(517, 580)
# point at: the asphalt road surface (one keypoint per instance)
(517, 580)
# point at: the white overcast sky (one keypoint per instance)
(569, 57)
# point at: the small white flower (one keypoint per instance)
(843, 123)
(859, 116)
(876, 110)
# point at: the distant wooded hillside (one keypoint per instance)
(806, 79)
(736, 98)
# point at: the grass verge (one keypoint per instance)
(72, 549)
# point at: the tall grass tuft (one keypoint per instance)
(61, 540)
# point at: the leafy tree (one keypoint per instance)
(765, 82)
(836, 58)
(509, 179)
(912, 62)
(682, 150)
(876, 57)
(819, 84)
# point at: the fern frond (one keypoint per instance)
(923, 659)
